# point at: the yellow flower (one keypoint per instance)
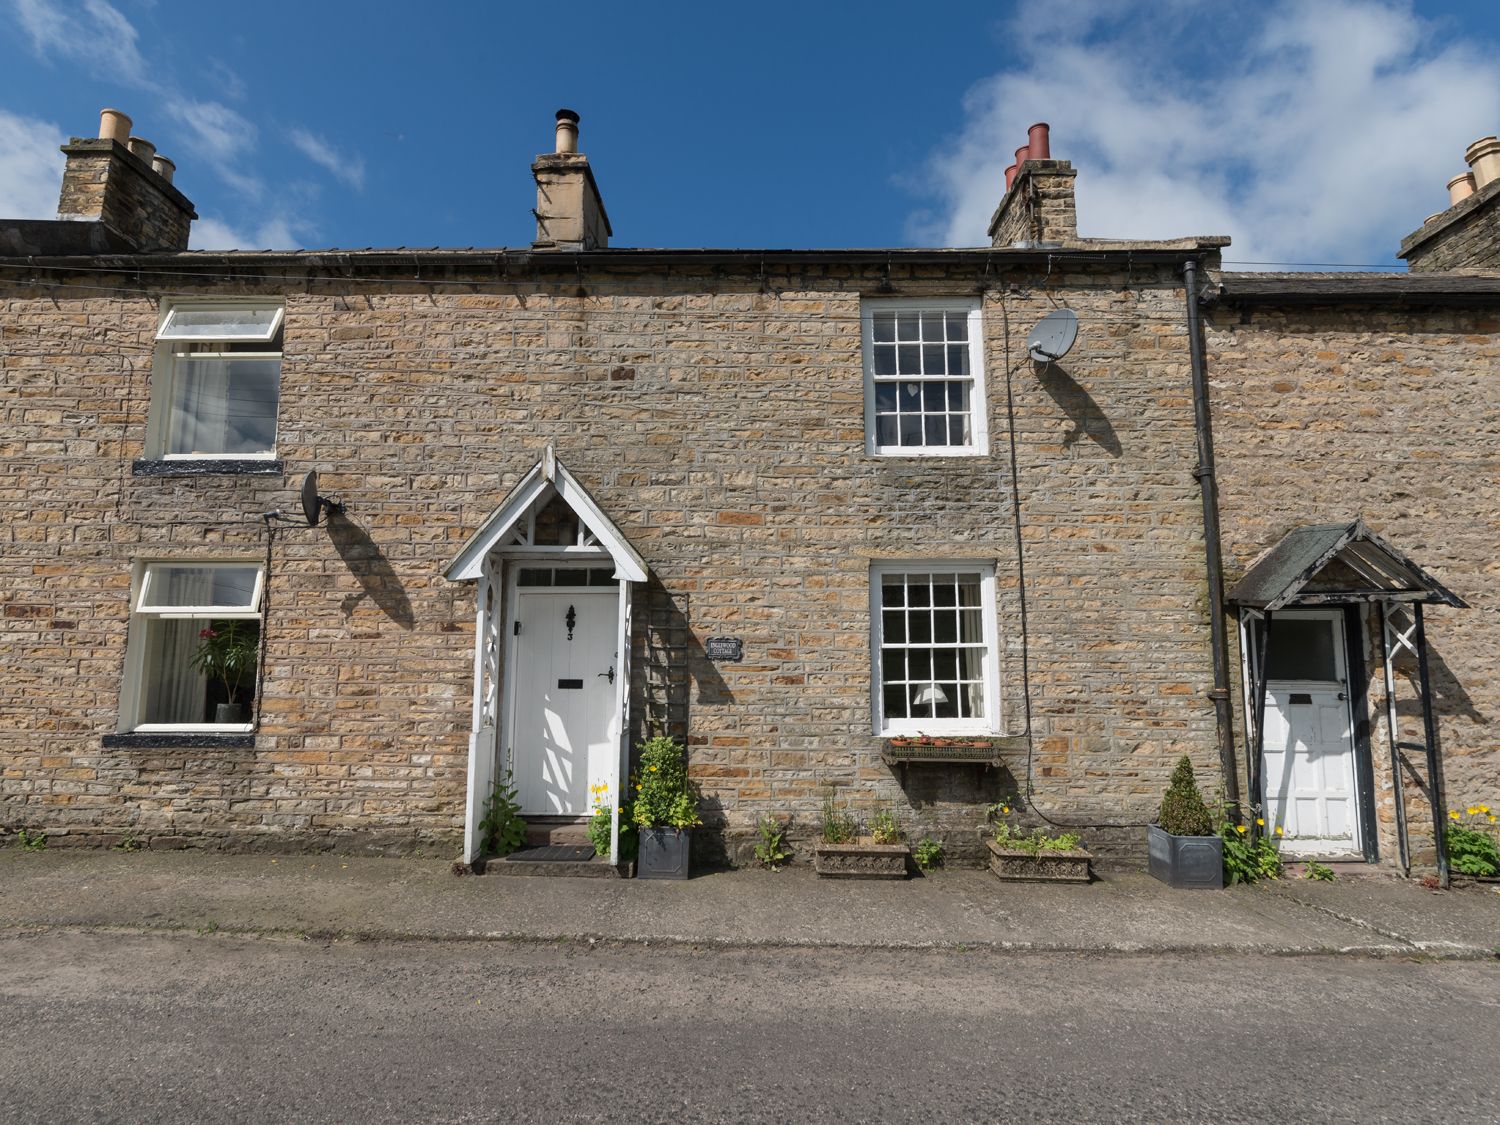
(1260, 820)
(1453, 814)
(1472, 811)
(1492, 818)
(653, 769)
(1484, 809)
(1005, 808)
(1278, 830)
(1240, 828)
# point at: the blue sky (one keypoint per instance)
(1310, 131)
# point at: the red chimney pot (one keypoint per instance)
(1039, 141)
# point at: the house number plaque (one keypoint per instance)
(724, 648)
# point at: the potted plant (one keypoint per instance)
(665, 811)
(228, 651)
(601, 829)
(1025, 855)
(843, 853)
(1183, 849)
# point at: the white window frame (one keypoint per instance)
(164, 371)
(978, 410)
(990, 724)
(133, 691)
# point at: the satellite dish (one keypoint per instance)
(313, 505)
(1053, 337)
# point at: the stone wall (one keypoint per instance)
(1393, 415)
(104, 181)
(1464, 237)
(719, 421)
(1039, 207)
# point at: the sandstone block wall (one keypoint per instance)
(1393, 415)
(720, 422)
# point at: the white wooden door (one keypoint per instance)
(1310, 788)
(562, 703)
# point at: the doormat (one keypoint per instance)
(552, 853)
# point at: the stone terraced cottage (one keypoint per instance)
(824, 514)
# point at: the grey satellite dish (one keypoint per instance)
(313, 505)
(1053, 337)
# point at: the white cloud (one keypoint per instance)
(98, 34)
(277, 233)
(30, 167)
(1325, 137)
(350, 169)
(221, 138)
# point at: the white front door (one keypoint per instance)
(562, 736)
(1310, 789)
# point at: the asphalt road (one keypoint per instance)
(129, 1027)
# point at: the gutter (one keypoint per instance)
(1203, 472)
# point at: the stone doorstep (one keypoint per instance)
(542, 831)
(597, 868)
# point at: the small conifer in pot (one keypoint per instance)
(1183, 812)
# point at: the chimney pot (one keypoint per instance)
(1010, 176)
(163, 167)
(1460, 188)
(1484, 157)
(114, 125)
(567, 131)
(141, 147)
(1039, 141)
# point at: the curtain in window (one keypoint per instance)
(224, 406)
(175, 691)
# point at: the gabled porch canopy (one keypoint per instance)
(547, 478)
(1347, 564)
(1336, 564)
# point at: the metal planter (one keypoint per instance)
(664, 853)
(1185, 862)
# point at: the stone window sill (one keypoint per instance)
(204, 467)
(194, 741)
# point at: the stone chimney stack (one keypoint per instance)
(119, 180)
(569, 213)
(1037, 208)
(1467, 235)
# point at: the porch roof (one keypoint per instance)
(546, 476)
(1332, 564)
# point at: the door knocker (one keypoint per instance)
(572, 619)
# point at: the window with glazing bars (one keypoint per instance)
(923, 388)
(935, 649)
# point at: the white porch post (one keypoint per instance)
(482, 741)
(622, 716)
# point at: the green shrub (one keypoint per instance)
(1183, 812)
(601, 824)
(884, 829)
(1318, 872)
(664, 798)
(771, 852)
(501, 826)
(1036, 842)
(1472, 847)
(928, 853)
(838, 826)
(1246, 861)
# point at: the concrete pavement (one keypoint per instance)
(382, 899)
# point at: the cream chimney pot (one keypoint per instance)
(1460, 188)
(141, 147)
(567, 131)
(163, 167)
(1484, 157)
(114, 126)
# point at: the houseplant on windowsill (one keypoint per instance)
(228, 652)
(1183, 850)
(665, 811)
(1033, 856)
(842, 853)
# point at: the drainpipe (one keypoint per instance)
(1204, 473)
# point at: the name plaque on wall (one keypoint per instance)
(724, 648)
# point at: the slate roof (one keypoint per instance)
(1282, 575)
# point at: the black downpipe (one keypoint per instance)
(1204, 472)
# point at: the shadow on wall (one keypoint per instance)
(367, 562)
(1448, 695)
(670, 659)
(1087, 417)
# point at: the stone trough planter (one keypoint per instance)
(863, 859)
(1015, 865)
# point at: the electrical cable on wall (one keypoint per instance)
(1015, 505)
